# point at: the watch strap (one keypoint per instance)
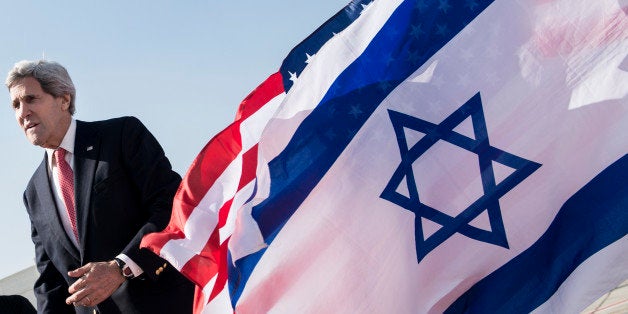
(125, 270)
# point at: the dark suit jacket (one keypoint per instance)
(15, 304)
(124, 186)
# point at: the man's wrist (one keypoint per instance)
(136, 269)
(125, 270)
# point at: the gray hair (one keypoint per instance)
(53, 78)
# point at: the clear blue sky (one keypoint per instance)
(182, 67)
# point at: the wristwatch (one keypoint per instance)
(124, 268)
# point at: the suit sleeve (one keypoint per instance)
(50, 288)
(157, 183)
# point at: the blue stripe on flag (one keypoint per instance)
(412, 35)
(590, 220)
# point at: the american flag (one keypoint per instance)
(221, 177)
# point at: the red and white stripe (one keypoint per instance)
(220, 179)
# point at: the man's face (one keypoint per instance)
(43, 117)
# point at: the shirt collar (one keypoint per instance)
(68, 140)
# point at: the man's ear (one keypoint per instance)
(65, 101)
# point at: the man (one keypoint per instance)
(99, 189)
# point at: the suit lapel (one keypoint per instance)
(49, 208)
(86, 153)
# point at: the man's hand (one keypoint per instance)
(96, 283)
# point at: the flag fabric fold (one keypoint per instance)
(420, 157)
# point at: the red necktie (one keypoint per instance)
(66, 182)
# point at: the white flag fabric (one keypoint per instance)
(430, 156)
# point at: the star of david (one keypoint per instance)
(487, 154)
